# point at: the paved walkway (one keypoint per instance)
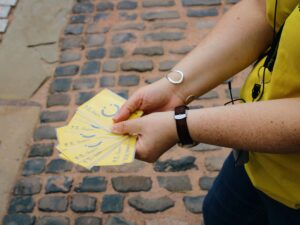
(121, 45)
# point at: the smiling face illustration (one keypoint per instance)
(110, 111)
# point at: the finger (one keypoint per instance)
(128, 108)
(127, 127)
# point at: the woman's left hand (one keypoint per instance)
(156, 134)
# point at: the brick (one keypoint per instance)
(74, 29)
(104, 6)
(200, 2)
(84, 83)
(51, 220)
(165, 221)
(116, 52)
(57, 184)
(95, 28)
(82, 97)
(158, 3)
(3, 25)
(4, 11)
(95, 40)
(177, 25)
(98, 53)
(128, 80)
(53, 116)
(123, 38)
(152, 80)
(127, 16)
(164, 36)
(33, 166)
(73, 42)
(41, 150)
(214, 163)
(107, 81)
(167, 65)
(151, 205)
(83, 203)
(92, 184)
(194, 204)
(205, 147)
(58, 166)
(110, 66)
(44, 132)
(209, 95)
(205, 182)
(69, 56)
(58, 99)
(137, 65)
(117, 220)
(88, 220)
(202, 12)
(149, 51)
(69, 70)
(125, 5)
(123, 93)
(78, 19)
(24, 204)
(101, 16)
(60, 85)
(170, 165)
(112, 203)
(175, 183)
(8, 2)
(18, 219)
(90, 67)
(129, 26)
(27, 186)
(160, 15)
(53, 204)
(132, 183)
(182, 50)
(86, 7)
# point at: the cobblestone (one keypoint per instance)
(53, 116)
(101, 16)
(82, 97)
(42, 150)
(129, 26)
(137, 65)
(44, 132)
(58, 99)
(194, 204)
(88, 220)
(53, 204)
(110, 66)
(57, 184)
(165, 221)
(90, 67)
(95, 28)
(33, 166)
(107, 81)
(117, 220)
(178, 25)
(18, 219)
(167, 65)
(116, 52)
(86, 7)
(27, 186)
(175, 183)
(73, 42)
(127, 16)
(98, 53)
(205, 147)
(152, 79)
(95, 40)
(164, 36)
(83, 203)
(170, 165)
(92, 184)
(182, 50)
(131, 183)
(81, 169)
(205, 182)
(123, 93)
(24, 204)
(78, 19)
(151, 205)
(125, 5)
(51, 220)
(214, 163)
(84, 83)
(202, 12)
(58, 166)
(149, 51)
(69, 56)
(104, 6)
(200, 2)
(205, 24)
(60, 85)
(69, 70)
(160, 15)
(128, 80)
(112, 203)
(122, 38)
(74, 29)
(158, 3)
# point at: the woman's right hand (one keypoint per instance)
(157, 97)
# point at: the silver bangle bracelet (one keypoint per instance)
(179, 81)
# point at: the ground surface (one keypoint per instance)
(121, 45)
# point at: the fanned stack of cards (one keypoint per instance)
(87, 139)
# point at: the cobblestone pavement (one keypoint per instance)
(121, 45)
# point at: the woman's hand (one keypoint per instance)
(157, 97)
(156, 134)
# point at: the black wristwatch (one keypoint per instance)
(183, 133)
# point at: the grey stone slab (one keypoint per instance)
(165, 221)
(4, 11)
(8, 2)
(28, 44)
(15, 122)
(3, 25)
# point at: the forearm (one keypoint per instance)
(238, 39)
(269, 126)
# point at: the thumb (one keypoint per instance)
(127, 127)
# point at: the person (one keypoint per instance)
(265, 189)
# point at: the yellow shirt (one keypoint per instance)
(278, 175)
